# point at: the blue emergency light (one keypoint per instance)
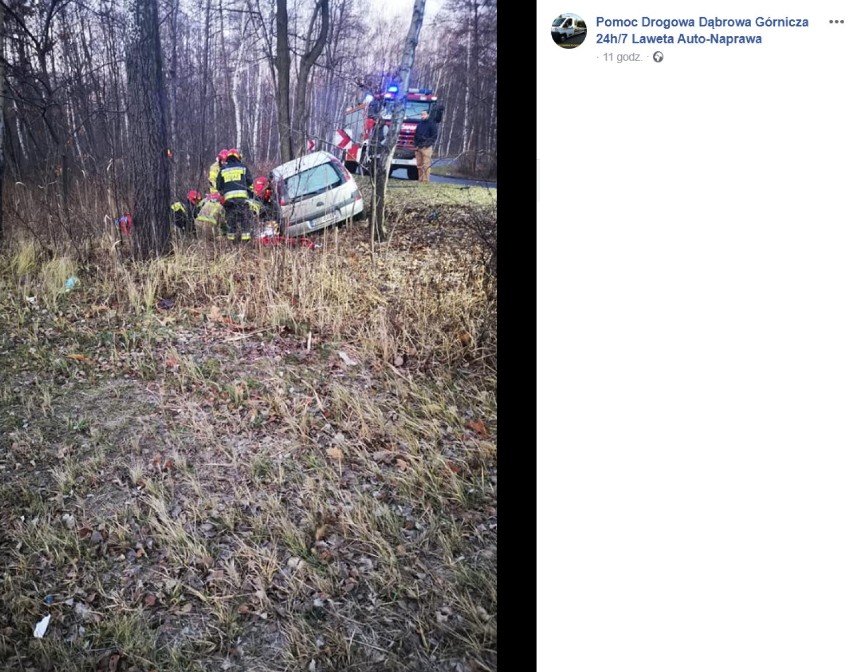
(393, 88)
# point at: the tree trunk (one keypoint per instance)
(307, 62)
(466, 115)
(206, 152)
(235, 82)
(149, 167)
(2, 116)
(378, 218)
(282, 92)
(173, 91)
(255, 127)
(226, 61)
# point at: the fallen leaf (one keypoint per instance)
(478, 426)
(320, 533)
(236, 325)
(383, 456)
(214, 315)
(243, 609)
(77, 357)
(335, 453)
(402, 464)
(172, 361)
(346, 359)
(185, 609)
(205, 562)
(150, 600)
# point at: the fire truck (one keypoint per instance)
(358, 138)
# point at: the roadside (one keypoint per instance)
(254, 459)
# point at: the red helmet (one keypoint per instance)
(260, 185)
(233, 152)
(222, 156)
(193, 197)
(215, 196)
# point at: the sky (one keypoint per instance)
(404, 7)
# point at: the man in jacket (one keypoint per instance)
(234, 183)
(424, 137)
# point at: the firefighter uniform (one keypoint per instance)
(233, 183)
(183, 216)
(213, 174)
(211, 218)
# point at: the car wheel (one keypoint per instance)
(351, 166)
(413, 173)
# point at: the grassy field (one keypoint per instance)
(251, 458)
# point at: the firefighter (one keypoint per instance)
(263, 208)
(211, 216)
(184, 214)
(215, 167)
(234, 183)
(424, 137)
(263, 195)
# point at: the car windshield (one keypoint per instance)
(558, 22)
(309, 182)
(413, 108)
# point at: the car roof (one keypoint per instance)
(310, 160)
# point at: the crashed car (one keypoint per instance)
(314, 192)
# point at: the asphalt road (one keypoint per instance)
(402, 176)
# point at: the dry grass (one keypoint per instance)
(199, 479)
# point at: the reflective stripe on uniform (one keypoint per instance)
(202, 218)
(237, 193)
(178, 206)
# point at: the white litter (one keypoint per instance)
(41, 627)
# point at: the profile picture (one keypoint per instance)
(568, 30)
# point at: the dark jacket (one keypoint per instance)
(425, 134)
(184, 214)
(234, 180)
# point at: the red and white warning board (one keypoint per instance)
(342, 139)
(311, 145)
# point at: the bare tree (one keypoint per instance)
(378, 219)
(307, 62)
(2, 109)
(282, 92)
(150, 168)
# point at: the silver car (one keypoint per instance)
(314, 192)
